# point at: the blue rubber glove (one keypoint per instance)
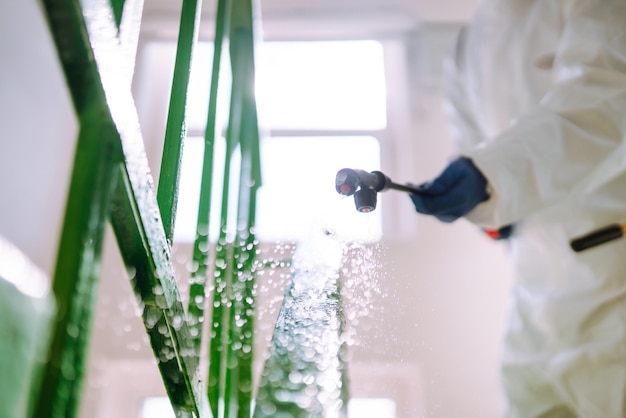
(458, 190)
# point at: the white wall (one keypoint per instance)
(38, 133)
(437, 302)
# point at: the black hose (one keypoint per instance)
(598, 237)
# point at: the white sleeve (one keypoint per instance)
(463, 127)
(574, 140)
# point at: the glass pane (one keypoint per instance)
(298, 191)
(199, 87)
(189, 189)
(322, 85)
(299, 194)
(303, 85)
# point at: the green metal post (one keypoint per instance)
(78, 265)
(152, 278)
(222, 297)
(197, 288)
(223, 262)
(175, 130)
(230, 370)
(242, 53)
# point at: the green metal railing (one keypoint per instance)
(96, 42)
(111, 179)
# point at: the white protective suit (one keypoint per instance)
(537, 97)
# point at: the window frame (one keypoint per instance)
(397, 144)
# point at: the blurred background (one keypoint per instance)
(340, 84)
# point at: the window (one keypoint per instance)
(322, 85)
(325, 106)
(298, 191)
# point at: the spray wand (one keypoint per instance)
(366, 185)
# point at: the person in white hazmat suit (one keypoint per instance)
(537, 99)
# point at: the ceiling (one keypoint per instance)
(304, 17)
(425, 10)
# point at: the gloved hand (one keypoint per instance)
(456, 191)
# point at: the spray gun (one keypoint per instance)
(365, 187)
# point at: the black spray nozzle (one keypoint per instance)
(348, 181)
(365, 186)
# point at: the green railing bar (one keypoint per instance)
(222, 283)
(230, 369)
(238, 385)
(138, 226)
(242, 46)
(222, 294)
(78, 267)
(67, 27)
(197, 287)
(175, 130)
(230, 274)
(242, 317)
(305, 373)
(144, 249)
